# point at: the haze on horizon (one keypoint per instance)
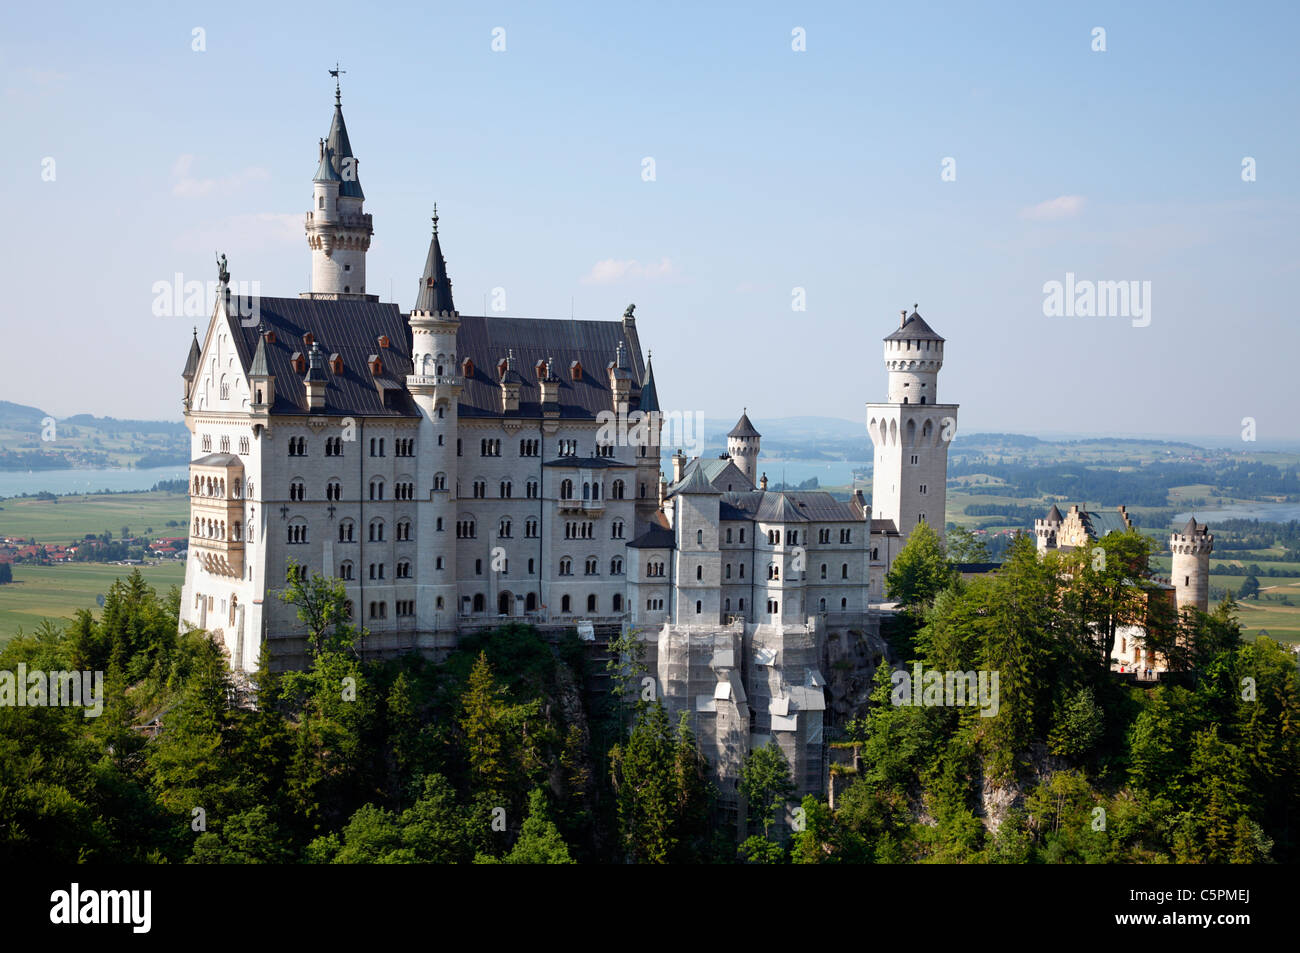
(774, 170)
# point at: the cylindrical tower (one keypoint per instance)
(913, 357)
(1190, 571)
(338, 229)
(743, 445)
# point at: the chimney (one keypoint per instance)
(510, 381)
(316, 379)
(679, 462)
(550, 388)
(663, 489)
(762, 484)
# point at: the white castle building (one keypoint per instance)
(457, 471)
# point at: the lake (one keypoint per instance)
(1270, 512)
(16, 482)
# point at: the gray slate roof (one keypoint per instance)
(1054, 515)
(770, 506)
(656, 537)
(914, 329)
(743, 428)
(217, 460)
(347, 327)
(192, 363)
(342, 149)
(435, 284)
(591, 343)
(649, 396)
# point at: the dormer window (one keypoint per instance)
(467, 368)
(376, 365)
(308, 340)
(540, 370)
(575, 371)
(270, 337)
(299, 362)
(501, 369)
(336, 365)
(383, 340)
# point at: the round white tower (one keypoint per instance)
(742, 446)
(913, 357)
(1190, 569)
(338, 229)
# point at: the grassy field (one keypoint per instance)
(1282, 622)
(57, 592)
(70, 518)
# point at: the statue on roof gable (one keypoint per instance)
(223, 273)
(628, 313)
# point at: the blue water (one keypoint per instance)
(1270, 512)
(15, 482)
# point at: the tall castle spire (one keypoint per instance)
(435, 286)
(338, 230)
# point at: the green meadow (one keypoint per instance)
(57, 592)
(67, 519)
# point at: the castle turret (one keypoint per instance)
(435, 382)
(191, 368)
(651, 484)
(1190, 569)
(1045, 530)
(742, 446)
(338, 230)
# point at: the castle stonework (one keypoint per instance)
(1190, 569)
(911, 433)
(456, 472)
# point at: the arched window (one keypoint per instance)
(565, 604)
(699, 537)
(591, 603)
(618, 603)
(566, 489)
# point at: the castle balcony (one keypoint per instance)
(590, 507)
(432, 380)
(345, 219)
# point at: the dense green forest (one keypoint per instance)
(501, 755)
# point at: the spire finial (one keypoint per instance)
(338, 94)
(915, 306)
(435, 218)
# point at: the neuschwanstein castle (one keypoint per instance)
(453, 471)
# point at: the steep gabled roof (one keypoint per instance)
(697, 483)
(325, 172)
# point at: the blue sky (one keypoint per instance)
(775, 170)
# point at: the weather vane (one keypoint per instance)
(335, 73)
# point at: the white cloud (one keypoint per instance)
(1063, 206)
(613, 270)
(186, 186)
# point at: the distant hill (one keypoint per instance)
(23, 418)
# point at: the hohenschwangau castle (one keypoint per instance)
(455, 471)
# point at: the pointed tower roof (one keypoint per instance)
(914, 328)
(743, 427)
(1054, 515)
(649, 396)
(342, 149)
(435, 286)
(325, 171)
(192, 362)
(1191, 529)
(259, 368)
